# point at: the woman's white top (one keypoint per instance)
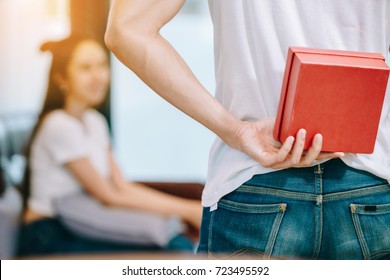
(62, 139)
(252, 38)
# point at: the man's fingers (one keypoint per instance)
(313, 152)
(297, 150)
(291, 153)
(273, 159)
(330, 155)
(285, 149)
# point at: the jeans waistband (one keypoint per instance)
(329, 177)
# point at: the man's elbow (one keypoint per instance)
(121, 36)
(112, 38)
(119, 29)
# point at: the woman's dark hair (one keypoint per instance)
(62, 53)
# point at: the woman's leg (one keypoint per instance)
(148, 199)
(49, 236)
(42, 237)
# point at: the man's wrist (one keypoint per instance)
(230, 131)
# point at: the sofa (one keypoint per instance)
(14, 133)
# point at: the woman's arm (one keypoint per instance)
(133, 36)
(133, 196)
(116, 175)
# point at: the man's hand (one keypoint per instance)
(257, 141)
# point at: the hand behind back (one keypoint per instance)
(257, 141)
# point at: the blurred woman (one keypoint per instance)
(70, 151)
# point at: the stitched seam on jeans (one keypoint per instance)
(356, 193)
(319, 232)
(274, 192)
(380, 209)
(245, 251)
(379, 253)
(274, 233)
(320, 205)
(359, 232)
(238, 253)
(312, 197)
(317, 214)
(251, 208)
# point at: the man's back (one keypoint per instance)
(251, 43)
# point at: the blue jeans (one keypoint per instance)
(49, 236)
(329, 211)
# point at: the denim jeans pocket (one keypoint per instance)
(372, 225)
(244, 229)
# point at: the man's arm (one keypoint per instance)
(133, 35)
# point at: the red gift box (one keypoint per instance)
(338, 94)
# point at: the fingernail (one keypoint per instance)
(291, 139)
(318, 138)
(302, 133)
(340, 154)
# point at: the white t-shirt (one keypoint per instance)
(60, 140)
(251, 43)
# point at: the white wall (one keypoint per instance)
(24, 25)
(152, 139)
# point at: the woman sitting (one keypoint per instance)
(70, 152)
